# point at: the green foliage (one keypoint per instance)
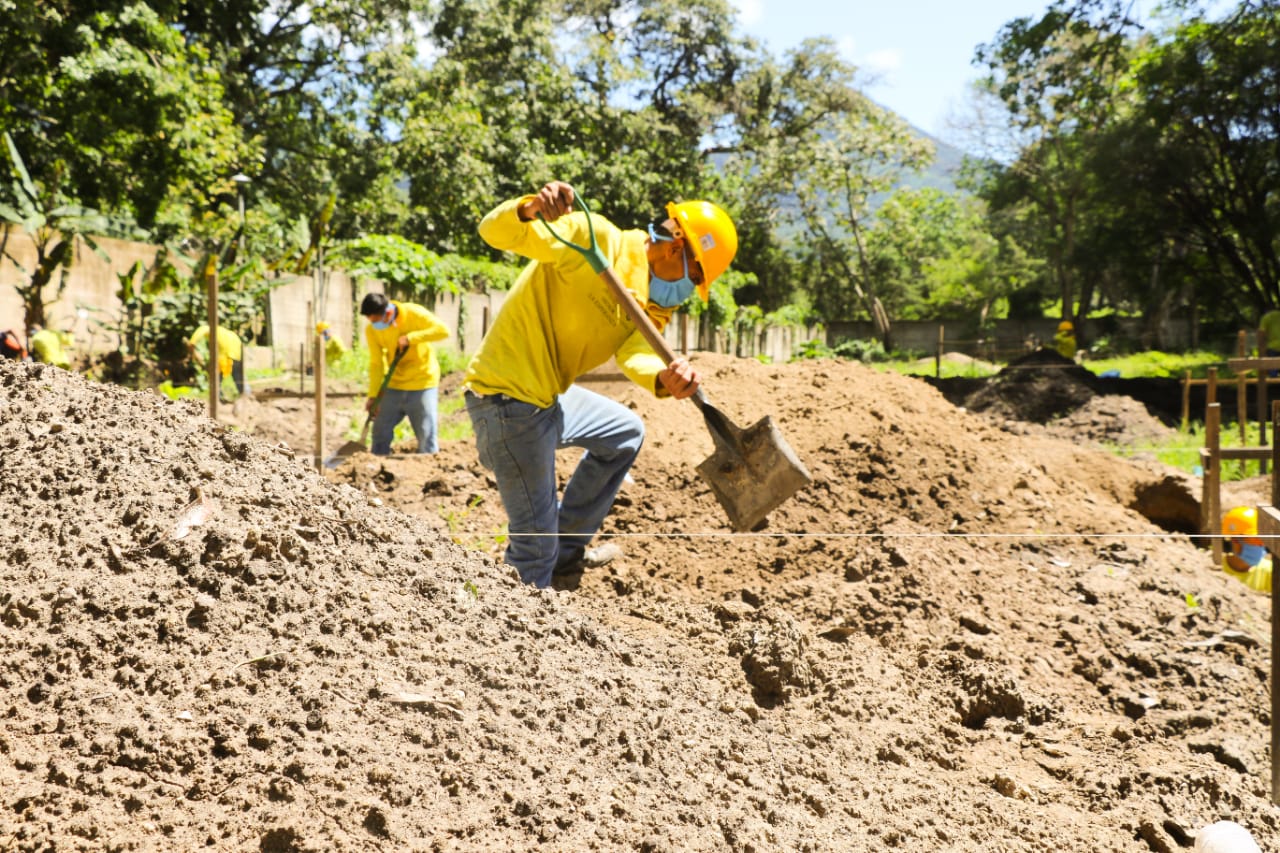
(476, 275)
(1168, 365)
(56, 229)
(410, 270)
(861, 350)
(177, 392)
(812, 349)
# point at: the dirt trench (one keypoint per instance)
(963, 636)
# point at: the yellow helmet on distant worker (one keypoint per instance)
(322, 327)
(1240, 522)
(712, 237)
(1065, 326)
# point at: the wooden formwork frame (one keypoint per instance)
(1269, 531)
(1211, 457)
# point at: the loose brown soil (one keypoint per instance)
(963, 636)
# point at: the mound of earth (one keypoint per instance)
(954, 639)
(1038, 387)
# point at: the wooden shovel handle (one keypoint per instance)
(644, 323)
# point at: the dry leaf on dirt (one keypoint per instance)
(196, 513)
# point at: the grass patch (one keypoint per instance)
(1181, 450)
(1161, 365)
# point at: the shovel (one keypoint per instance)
(353, 447)
(753, 470)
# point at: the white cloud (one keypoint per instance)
(844, 46)
(882, 62)
(749, 11)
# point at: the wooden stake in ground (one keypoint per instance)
(317, 358)
(211, 287)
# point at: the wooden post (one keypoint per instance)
(211, 290)
(1242, 390)
(1186, 398)
(937, 358)
(1211, 388)
(1275, 599)
(318, 358)
(1262, 420)
(1212, 480)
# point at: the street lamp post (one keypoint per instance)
(241, 179)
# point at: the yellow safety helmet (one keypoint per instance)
(1241, 522)
(322, 327)
(1065, 326)
(711, 235)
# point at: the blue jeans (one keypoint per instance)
(418, 406)
(517, 441)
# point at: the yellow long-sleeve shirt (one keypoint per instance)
(418, 368)
(1256, 578)
(230, 348)
(560, 319)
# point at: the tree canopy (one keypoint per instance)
(1140, 165)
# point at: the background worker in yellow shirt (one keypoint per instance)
(1246, 558)
(559, 321)
(230, 354)
(411, 390)
(49, 347)
(1064, 340)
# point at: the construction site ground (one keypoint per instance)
(981, 628)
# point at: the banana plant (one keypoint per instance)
(55, 228)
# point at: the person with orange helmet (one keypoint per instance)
(1246, 558)
(1064, 341)
(559, 321)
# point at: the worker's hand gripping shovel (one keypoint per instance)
(752, 471)
(353, 447)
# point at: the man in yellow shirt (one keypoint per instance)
(1269, 336)
(1064, 340)
(411, 390)
(48, 346)
(1246, 558)
(559, 321)
(230, 354)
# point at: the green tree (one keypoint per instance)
(1056, 76)
(108, 101)
(1207, 112)
(57, 230)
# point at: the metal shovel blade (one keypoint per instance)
(752, 471)
(351, 448)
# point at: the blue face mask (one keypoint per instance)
(1252, 554)
(669, 294)
(384, 323)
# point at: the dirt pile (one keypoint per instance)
(955, 639)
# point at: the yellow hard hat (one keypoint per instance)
(1240, 522)
(322, 327)
(712, 237)
(1065, 326)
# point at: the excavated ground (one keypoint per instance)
(965, 635)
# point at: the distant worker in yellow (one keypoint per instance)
(1246, 559)
(334, 348)
(230, 354)
(49, 347)
(1269, 336)
(1064, 341)
(411, 389)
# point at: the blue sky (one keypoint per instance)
(920, 50)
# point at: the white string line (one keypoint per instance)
(712, 534)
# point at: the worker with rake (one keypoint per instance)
(559, 321)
